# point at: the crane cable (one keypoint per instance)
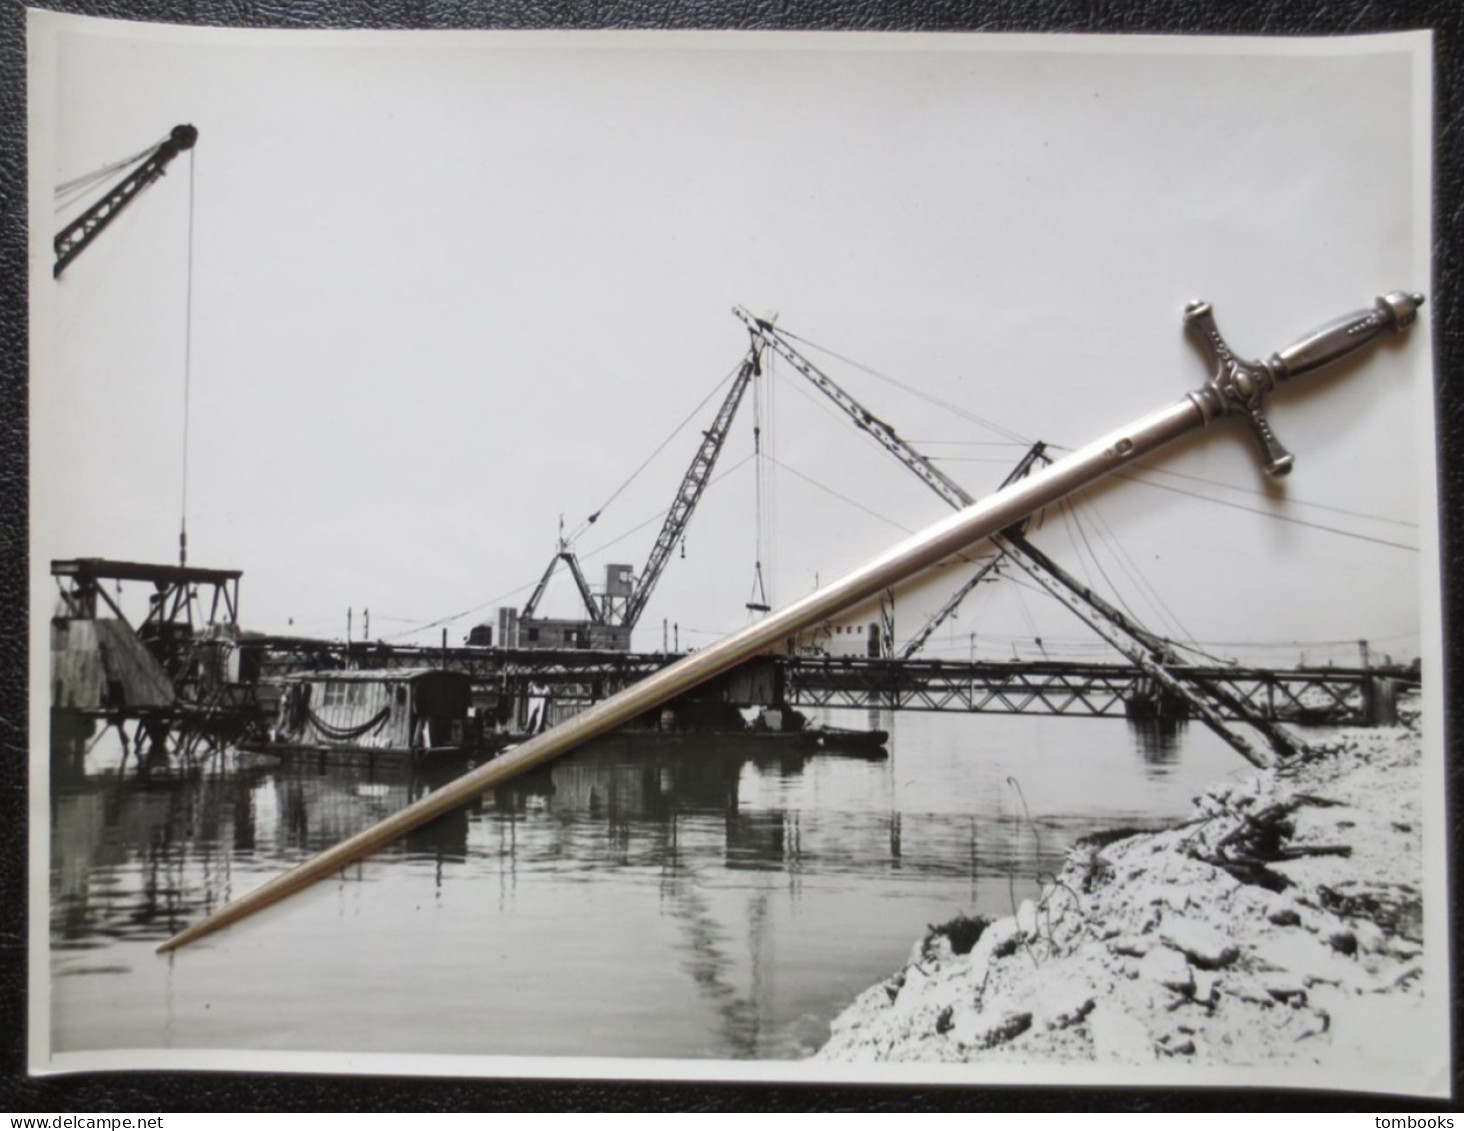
(1182, 637)
(1269, 514)
(939, 402)
(585, 524)
(1016, 437)
(757, 600)
(1072, 512)
(75, 188)
(770, 507)
(659, 516)
(187, 369)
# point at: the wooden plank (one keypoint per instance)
(131, 668)
(77, 679)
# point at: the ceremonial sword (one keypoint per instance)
(1235, 388)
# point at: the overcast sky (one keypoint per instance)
(447, 288)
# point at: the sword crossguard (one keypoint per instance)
(1236, 387)
(1239, 388)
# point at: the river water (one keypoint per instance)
(699, 899)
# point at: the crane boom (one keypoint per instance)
(73, 239)
(611, 618)
(917, 642)
(943, 485)
(693, 483)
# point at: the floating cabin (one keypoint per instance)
(406, 711)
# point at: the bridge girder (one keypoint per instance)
(1318, 696)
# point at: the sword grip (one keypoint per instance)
(1324, 345)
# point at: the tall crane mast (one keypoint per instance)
(73, 239)
(693, 483)
(623, 612)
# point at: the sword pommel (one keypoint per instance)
(1240, 388)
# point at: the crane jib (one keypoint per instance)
(73, 239)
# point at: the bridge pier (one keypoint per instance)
(1380, 700)
(1150, 700)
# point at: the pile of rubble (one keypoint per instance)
(1282, 924)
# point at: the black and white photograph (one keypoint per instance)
(750, 556)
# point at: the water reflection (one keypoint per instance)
(737, 894)
(705, 953)
(1158, 740)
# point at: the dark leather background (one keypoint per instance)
(139, 1092)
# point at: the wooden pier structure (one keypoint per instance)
(175, 682)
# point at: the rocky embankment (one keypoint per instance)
(1282, 924)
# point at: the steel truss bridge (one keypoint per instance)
(1317, 696)
(1320, 696)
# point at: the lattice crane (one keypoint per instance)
(628, 612)
(1154, 655)
(77, 236)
